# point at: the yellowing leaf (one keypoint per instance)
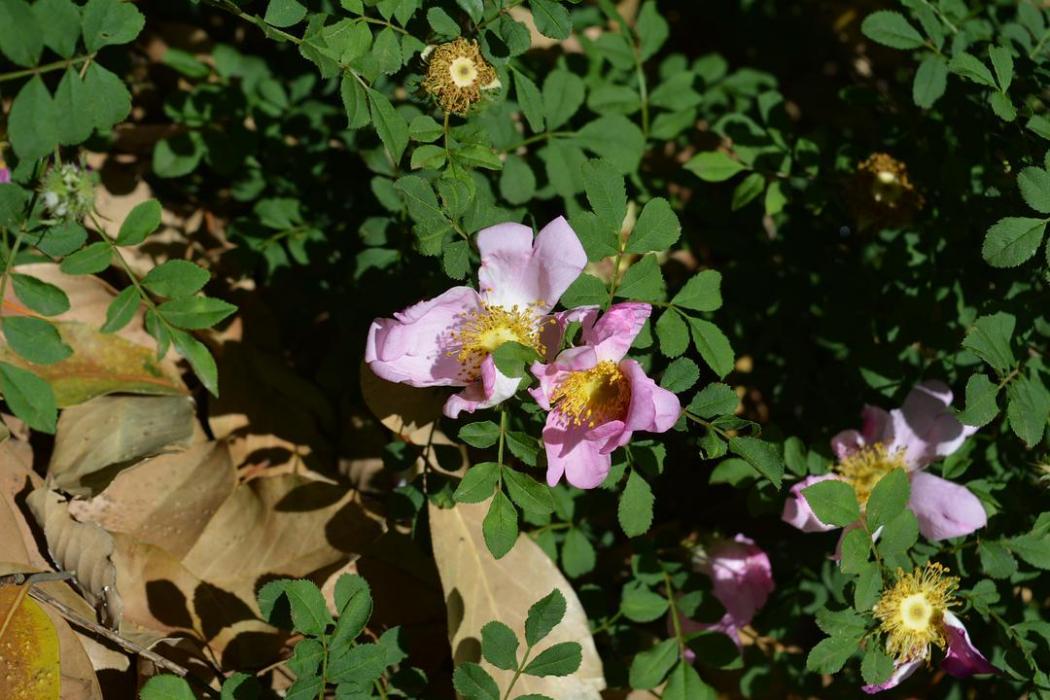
(29, 648)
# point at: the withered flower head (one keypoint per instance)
(882, 193)
(456, 75)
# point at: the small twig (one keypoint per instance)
(19, 578)
(77, 619)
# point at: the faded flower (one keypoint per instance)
(457, 74)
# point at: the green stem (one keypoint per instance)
(517, 673)
(607, 624)
(675, 620)
(707, 424)
(46, 68)
(10, 263)
(502, 435)
(643, 89)
(258, 21)
(545, 136)
(502, 11)
(375, 20)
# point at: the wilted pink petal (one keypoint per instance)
(741, 577)
(944, 509)
(901, 671)
(412, 347)
(963, 659)
(797, 511)
(517, 270)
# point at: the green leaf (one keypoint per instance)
(552, 20)
(577, 554)
(21, 35)
(309, 612)
(703, 292)
(606, 193)
(587, 290)
(481, 434)
(615, 138)
(360, 665)
(891, 29)
(544, 616)
(1002, 106)
(560, 659)
(306, 658)
(635, 511)
(474, 683)
(657, 229)
(390, 125)
(684, 684)
(899, 533)
(1033, 548)
(478, 483)
(876, 666)
(109, 101)
(499, 646)
(35, 339)
(29, 397)
(13, 200)
(775, 199)
(761, 455)
(193, 313)
(931, 80)
(166, 687)
(1003, 64)
(673, 333)
(640, 604)
(830, 654)
(1034, 184)
(31, 124)
(42, 297)
(143, 220)
(714, 166)
(176, 279)
(284, 13)
(855, 548)
(110, 22)
(888, 499)
(841, 623)
(517, 182)
(1028, 408)
(530, 100)
(981, 406)
(511, 358)
(650, 667)
(562, 97)
(197, 355)
(530, 495)
(88, 261)
(500, 526)
(748, 190)
(868, 586)
(680, 375)
(70, 105)
(643, 281)
(971, 68)
(713, 400)
(996, 559)
(989, 339)
(61, 240)
(713, 346)
(652, 30)
(833, 502)
(355, 101)
(353, 599)
(121, 310)
(442, 23)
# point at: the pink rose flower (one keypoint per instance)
(449, 340)
(911, 437)
(741, 579)
(596, 399)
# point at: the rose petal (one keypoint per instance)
(797, 511)
(571, 452)
(519, 271)
(553, 374)
(846, 443)
(493, 388)
(552, 328)
(963, 659)
(944, 509)
(901, 671)
(653, 409)
(612, 334)
(741, 578)
(412, 347)
(925, 426)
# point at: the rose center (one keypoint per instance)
(463, 72)
(865, 467)
(594, 396)
(480, 332)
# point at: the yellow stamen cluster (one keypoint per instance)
(881, 191)
(912, 612)
(478, 333)
(594, 396)
(864, 468)
(456, 75)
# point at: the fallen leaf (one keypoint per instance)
(97, 439)
(479, 588)
(29, 648)
(409, 411)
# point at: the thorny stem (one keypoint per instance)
(46, 68)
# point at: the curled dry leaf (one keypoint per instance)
(29, 648)
(479, 588)
(97, 439)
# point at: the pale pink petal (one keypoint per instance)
(741, 578)
(925, 426)
(493, 388)
(412, 347)
(571, 452)
(944, 509)
(846, 443)
(653, 409)
(797, 511)
(876, 425)
(519, 271)
(552, 328)
(901, 671)
(613, 333)
(963, 659)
